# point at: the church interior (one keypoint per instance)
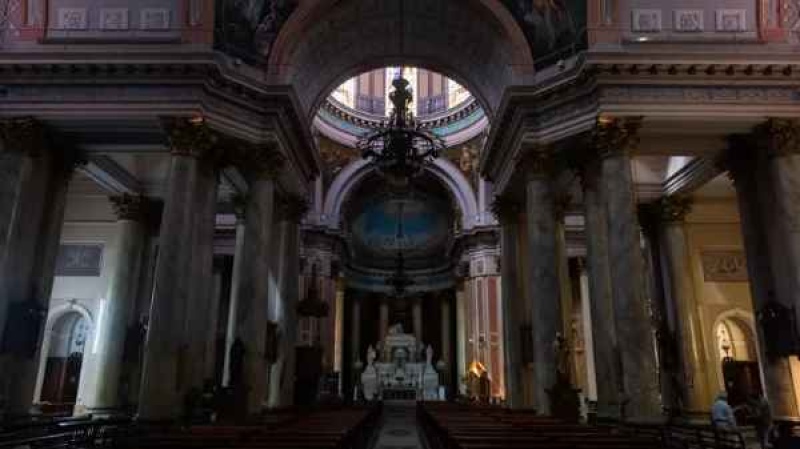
(440, 224)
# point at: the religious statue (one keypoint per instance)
(429, 356)
(371, 354)
(561, 350)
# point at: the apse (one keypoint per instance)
(382, 224)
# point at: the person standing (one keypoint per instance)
(722, 416)
(759, 410)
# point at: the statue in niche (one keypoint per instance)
(371, 354)
(562, 352)
(429, 356)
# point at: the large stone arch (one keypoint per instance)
(447, 173)
(475, 42)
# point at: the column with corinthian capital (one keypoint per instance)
(507, 212)
(249, 367)
(169, 368)
(113, 319)
(615, 139)
(33, 196)
(604, 337)
(282, 379)
(545, 289)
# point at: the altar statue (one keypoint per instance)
(400, 372)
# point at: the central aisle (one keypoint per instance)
(399, 426)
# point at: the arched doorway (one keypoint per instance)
(738, 358)
(67, 340)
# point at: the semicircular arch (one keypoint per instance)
(448, 174)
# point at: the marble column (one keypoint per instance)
(240, 205)
(615, 139)
(356, 330)
(168, 368)
(601, 305)
(588, 339)
(461, 337)
(545, 291)
(416, 315)
(283, 371)
(201, 312)
(34, 185)
(251, 371)
(753, 172)
(384, 319)
(114, 316)
(693, 392)
(445, 353)
(507, 211)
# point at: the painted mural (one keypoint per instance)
(555, 29)
(247, 29)
(420, 226)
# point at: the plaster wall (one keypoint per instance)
(84, 294)
(709, 8)
(713, 226)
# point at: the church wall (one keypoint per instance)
(713, 233)
(84, 293)
(672, 10)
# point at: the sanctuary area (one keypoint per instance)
(399, 223)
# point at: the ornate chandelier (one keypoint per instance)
(400, 148)
(399, 280)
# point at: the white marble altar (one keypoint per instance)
(400, 366)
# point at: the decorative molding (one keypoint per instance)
(646, 20)
(190, 136)
(22, 135)
(114, 19)
(688, 20)
(724, 266)
(781, 137)
(72, 19)
(615, 136)
(731, 20)
(79, 260)
(130, 207)
(154, 19)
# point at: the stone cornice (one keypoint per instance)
(199, 82)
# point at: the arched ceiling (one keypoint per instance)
(326, 42)
(418, 222)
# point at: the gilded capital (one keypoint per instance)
(130, 207)
(22, 135)
(615, 136)
(190, 136)
(674, 209)
(506, 209)
(780, 136)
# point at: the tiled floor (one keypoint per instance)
(399, 426)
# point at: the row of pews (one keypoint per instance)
(454, 426)
(335, 428)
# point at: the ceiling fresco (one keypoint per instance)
(247, 29)
(555, 29)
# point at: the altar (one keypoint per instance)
(399, 367)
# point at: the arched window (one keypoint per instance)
(734, 340)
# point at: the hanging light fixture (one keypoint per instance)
(399, 280)
(400, 147)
